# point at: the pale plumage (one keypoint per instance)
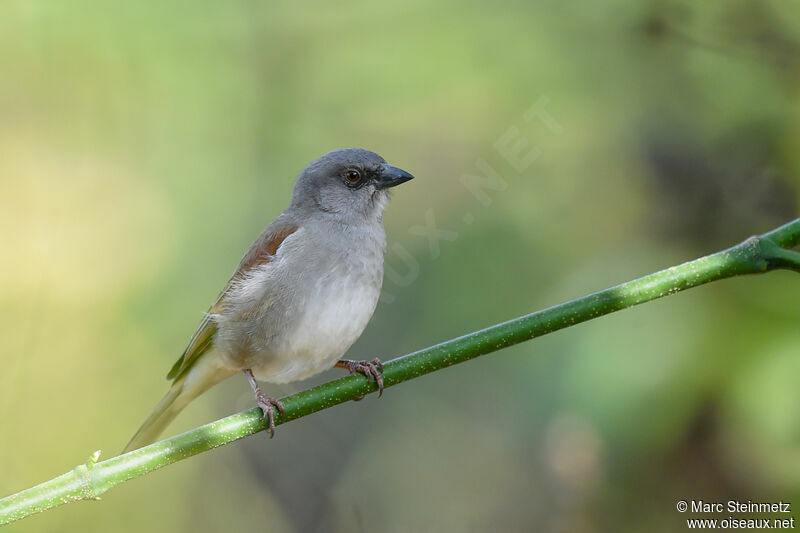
(312, 317)
(302, 294)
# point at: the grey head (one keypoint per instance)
(348, 186)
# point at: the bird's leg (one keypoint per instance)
(266, 403)
(371, 369)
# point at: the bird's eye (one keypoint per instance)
(352, 176)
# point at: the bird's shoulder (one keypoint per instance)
(266, 245)
(261, 252)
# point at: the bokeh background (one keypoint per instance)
(144, 145)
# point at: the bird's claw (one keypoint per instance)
(371, 369)
(268, 406)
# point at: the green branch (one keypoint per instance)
(88, 481)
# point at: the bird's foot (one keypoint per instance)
(266, 403)
(371, 369)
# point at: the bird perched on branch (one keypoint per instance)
(302, 294)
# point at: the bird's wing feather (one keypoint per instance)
(261, 252)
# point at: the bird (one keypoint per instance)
(301, 295)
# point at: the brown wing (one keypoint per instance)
(261, 252)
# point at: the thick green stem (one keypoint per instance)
(88, 481)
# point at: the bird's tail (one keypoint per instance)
(204, 374)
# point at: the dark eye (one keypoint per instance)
(352, 176)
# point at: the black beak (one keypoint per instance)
(390, 176)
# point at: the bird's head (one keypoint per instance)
(348, 185)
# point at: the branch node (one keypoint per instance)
(93, 459)
(778, 257)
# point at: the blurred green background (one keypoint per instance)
(144, 145)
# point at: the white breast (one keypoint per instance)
(296, 315)
(333, 318)
(324, 312)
